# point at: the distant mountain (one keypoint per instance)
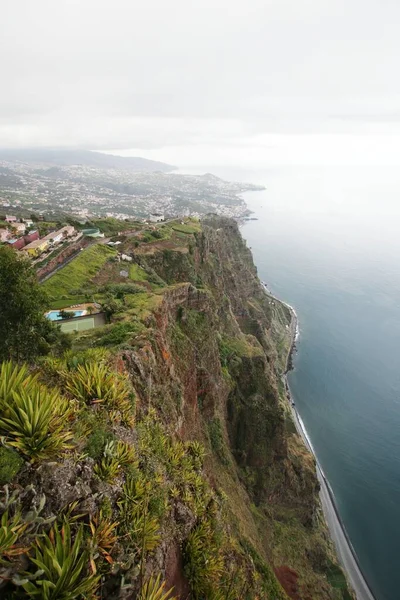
(67, 158)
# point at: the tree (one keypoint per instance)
(66, 314)
(24, 330)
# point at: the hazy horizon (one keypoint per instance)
(164, 78)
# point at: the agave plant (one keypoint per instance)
(116, 456)
(63, 564)
(10, 531)
(203, 561)
(103, 539)
(93, 383)
(13, 378)
(154, 589)
(197, 452)
(35, 421)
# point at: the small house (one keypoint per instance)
(156, 217)
(36, 247)
(16, 243)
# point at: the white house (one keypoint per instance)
(156, 217)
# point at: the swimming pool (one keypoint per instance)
(54, 315)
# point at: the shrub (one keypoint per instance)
(96, 443)
(118, 334)
(10, 465)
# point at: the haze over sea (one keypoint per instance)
(327, 241)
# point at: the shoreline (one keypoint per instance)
(345, 552)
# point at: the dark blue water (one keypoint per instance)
(328, 242)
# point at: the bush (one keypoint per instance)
(97, 442)
(118, 334)
(10, 465)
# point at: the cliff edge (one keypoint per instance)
(167, 457)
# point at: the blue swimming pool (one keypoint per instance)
(54, 315)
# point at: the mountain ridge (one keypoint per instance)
(68, 157)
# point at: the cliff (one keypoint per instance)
(170, 458)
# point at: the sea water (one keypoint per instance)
(327, 240)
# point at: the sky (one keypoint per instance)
(184, 80)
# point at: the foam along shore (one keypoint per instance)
(344, 549)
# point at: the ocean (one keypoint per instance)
(327, 241)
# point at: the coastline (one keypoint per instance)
(344, 549)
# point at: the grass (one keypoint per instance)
(78, 272)
(136, 273)
(190, 227)
(142, 304)
(66, 302)
(241, 347)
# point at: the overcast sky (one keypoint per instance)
(160, 74)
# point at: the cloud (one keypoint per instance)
(149, 74)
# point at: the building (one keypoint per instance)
(58, 236)
(156, 217)
(68, 231)
(36, 247)
(4, 235)
(18, 227)
(32, 236)
(28, 223)
(11, 219)
(16, 243)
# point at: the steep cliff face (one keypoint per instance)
(210, 486)
(220, 347)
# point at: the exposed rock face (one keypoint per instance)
(219, 348)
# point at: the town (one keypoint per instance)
(88, 191)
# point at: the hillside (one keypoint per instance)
(65, 157)
(165, 455)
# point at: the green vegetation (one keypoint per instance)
(62, 563)
(34, 419)
(118, 333)
(78, 273)
(24, 331)
(136, 273)
(154, 589)
(161, 438)
(217, 440)
(10, 465)
(191, 227)
(110, 226)
(97, 441)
